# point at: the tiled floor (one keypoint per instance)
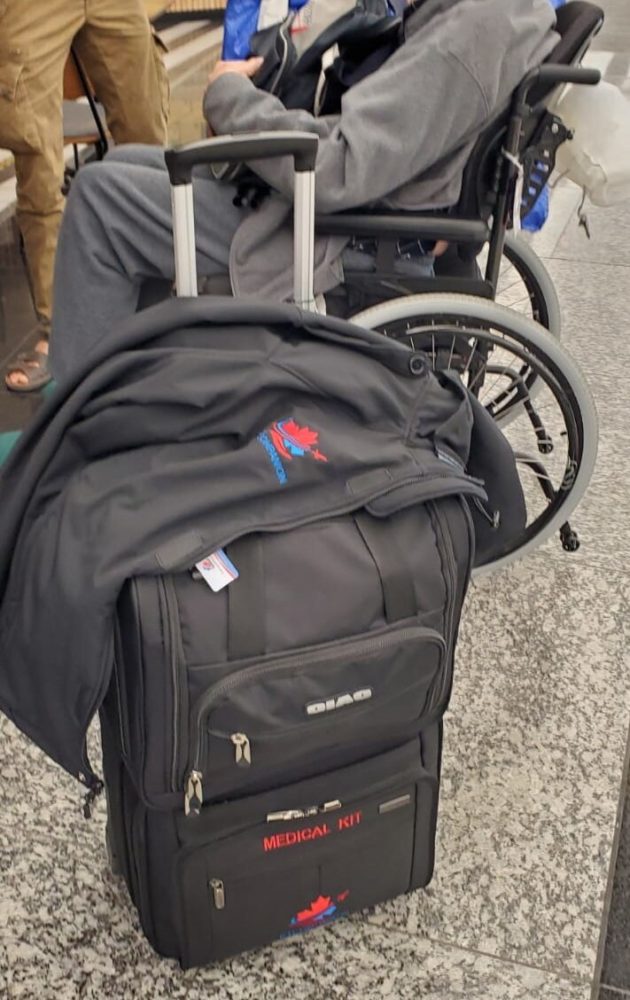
(535, 759)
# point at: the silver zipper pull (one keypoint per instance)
(285, 815)
(218, 893)
(242, 748)
(193, 796)
(328, 807)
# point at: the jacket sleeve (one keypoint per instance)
(421, 105)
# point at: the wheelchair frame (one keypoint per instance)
(522, 139)
(495, 217)
(525, 132)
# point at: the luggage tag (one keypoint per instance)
(217, 570)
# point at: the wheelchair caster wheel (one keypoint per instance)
(569, 539)
(545, 445)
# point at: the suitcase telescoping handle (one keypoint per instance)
(180, 161)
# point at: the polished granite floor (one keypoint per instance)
(531, 898)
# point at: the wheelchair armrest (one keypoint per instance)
(397, 226)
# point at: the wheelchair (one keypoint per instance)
(507, 354)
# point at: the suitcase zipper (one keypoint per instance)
(193, 793)
(218, 893)
(380, 787)
(243, 754)
(286, 815)
(467, 486)
(175, 653)
(448, 559)
(446, 547)
(193, 796)
(242, 741)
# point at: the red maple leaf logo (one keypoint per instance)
(288, 434)
(302, 436)
(319, 905)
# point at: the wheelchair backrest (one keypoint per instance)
(577, 22)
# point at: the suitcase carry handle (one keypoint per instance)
(302, 146)
(180, 161)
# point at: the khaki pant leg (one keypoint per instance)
(122, 58)
(35, 40)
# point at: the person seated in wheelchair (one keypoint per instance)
(402, 141)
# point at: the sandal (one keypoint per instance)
(33, 366)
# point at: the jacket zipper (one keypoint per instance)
(171, 611)
(193, 794)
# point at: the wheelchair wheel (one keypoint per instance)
(553, 436)
(525, 285)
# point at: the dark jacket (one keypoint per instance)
(165, 447)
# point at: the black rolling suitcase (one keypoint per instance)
(272, 733)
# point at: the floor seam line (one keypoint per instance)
(565, 228)
(445, 943)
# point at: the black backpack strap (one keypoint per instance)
(246, 611)
(396, 579)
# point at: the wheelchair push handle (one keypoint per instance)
(180, 162)
(553, 73)
(302, 146)
(550, 75)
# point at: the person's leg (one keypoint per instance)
(122, 59)
(117, 232)
(451, 265)
(139, 154)
(35, 41)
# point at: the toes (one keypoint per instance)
(16, 380)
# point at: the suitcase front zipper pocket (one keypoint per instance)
(271, 865)
(293, 706)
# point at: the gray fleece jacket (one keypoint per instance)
(403, 136)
